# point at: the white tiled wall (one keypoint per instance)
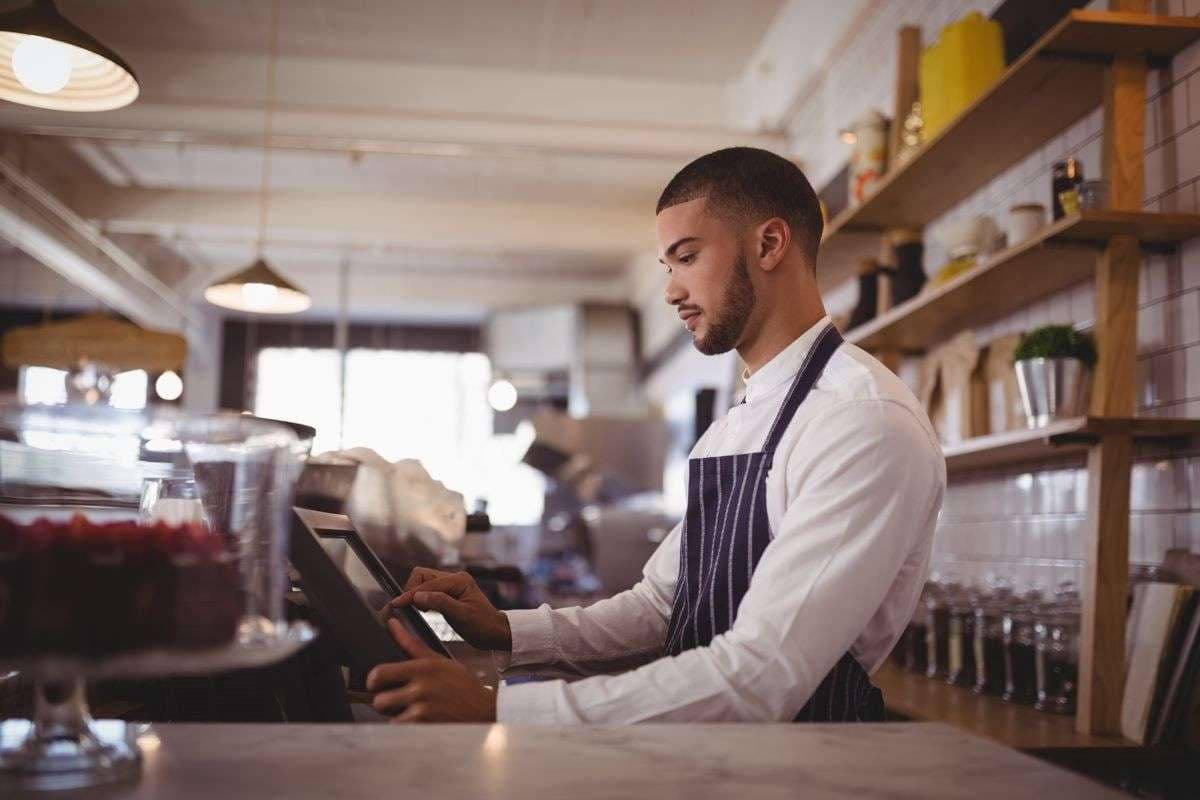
(1028, 524)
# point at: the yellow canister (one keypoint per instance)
(965, 61)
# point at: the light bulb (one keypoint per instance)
(41, 65)
(259, 295)
(502, 396)
(169, 386)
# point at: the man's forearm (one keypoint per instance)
(619, 633)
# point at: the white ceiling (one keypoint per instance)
(694, 40)
(462, 155)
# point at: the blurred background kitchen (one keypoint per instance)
(427, 229)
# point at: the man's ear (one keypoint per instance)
(774, 238)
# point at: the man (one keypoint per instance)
(811, 509)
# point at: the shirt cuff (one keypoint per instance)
(528, 703)
(532, 639)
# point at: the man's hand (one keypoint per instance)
(428, 687)
(460, 601)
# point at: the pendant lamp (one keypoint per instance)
(47, 62)
(258, 288)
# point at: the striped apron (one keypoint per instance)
(725, 533)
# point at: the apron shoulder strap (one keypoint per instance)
(822, 350)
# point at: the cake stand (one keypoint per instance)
(243, 469)
(62, 747)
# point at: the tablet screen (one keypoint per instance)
(438, 624)
(361, 578)
(368, 585)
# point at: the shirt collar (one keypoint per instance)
(784, 366)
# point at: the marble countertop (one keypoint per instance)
(894, 760)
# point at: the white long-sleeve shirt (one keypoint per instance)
(852, 499)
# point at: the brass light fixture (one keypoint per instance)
(48, 62)
(258, 288)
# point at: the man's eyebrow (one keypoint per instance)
(670, 251)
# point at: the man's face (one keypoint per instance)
(708, 281)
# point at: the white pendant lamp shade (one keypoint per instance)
(46, 61)
(259, 290)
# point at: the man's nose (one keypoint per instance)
(674, 294)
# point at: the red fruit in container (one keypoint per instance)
(78, 587)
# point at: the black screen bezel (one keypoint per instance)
(350, 619)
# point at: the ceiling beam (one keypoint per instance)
(371, 106)
(327, 130)
(36, 222)
(330, 218)
(380, 292)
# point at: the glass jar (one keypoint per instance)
(1093, 195)
(937, 630)
(101, 593)
(1020, 659)
(1057, 659)
(915, 652)
(989, 641)
(960, 670)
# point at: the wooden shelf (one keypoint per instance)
(1018, 726)
(1061, 438)
(1058, 80)
(1059, 256)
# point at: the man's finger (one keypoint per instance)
(410, 643)
(393, 701)
(452, 585)
(396, 673)
(436, 601)
(421, 575)
(417, 712)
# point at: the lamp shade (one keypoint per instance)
(93, 338)
(258, 289)
(48, 62)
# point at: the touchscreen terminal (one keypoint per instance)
(322, 545)
(374, 583)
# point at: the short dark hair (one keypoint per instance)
(748, 185)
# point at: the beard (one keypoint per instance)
(728, 325)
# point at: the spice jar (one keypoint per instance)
(961, 648)
(1020, 659)
(989, 640)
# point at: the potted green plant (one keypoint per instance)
(1053, 365)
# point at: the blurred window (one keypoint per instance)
(429, 406)
(47, 386)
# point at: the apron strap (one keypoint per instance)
(822, 350)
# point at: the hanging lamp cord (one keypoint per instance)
(268, 124)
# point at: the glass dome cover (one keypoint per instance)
(91, 587)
